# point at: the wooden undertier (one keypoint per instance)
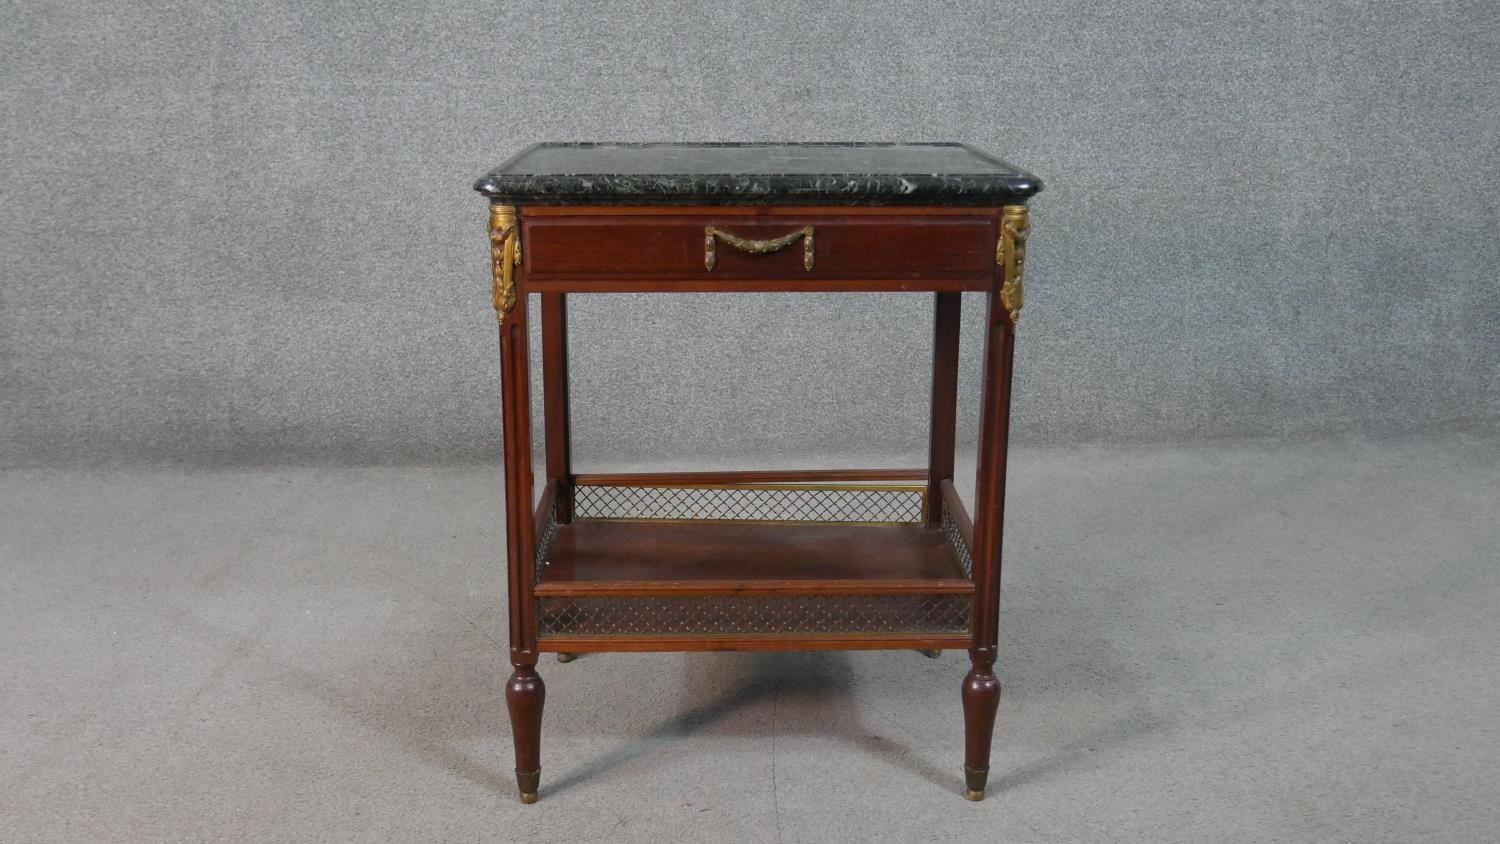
(656, 562)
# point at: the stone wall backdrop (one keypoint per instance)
(243, 233)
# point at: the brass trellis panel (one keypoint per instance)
(955, 539)
(844, 504)
(754, 615)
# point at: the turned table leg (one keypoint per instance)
(524, 692)
(524, 696)
(981, 694)
(981, 691)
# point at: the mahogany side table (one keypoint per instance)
(788, 560)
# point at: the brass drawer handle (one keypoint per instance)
(758, 247)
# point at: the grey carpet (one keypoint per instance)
(1248, 643)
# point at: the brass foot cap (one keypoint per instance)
(566, 657)
(527, 784)
(974, 783)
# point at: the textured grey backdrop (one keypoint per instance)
(244, 232)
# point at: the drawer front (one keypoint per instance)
(758, 245)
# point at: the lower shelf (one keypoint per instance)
(664, 557)
(738, 584)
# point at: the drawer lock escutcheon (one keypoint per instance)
(758, 247)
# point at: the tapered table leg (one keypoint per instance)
(524, 696)
(524, 693)
(981, 695)
(555, 402)
(981, 690)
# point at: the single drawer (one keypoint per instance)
(769, 244)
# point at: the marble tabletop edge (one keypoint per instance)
(994, 181)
